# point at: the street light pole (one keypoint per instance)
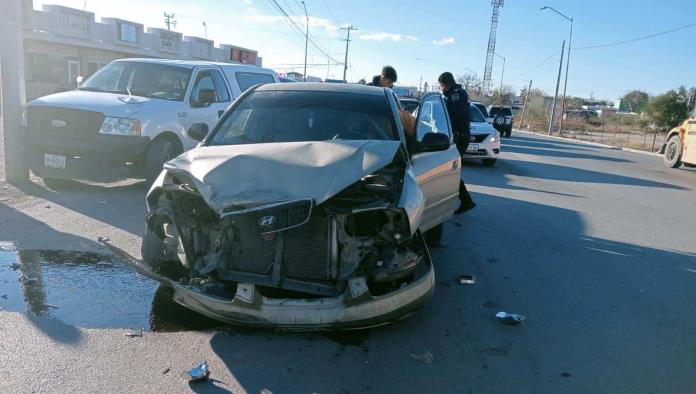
(555, 97)
(306, 42)
(570, 45)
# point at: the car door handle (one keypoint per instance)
(220, 112)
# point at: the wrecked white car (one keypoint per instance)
(305, 208)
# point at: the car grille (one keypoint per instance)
(478, 138)
(304, 243)
(276, 217)
(79, 124)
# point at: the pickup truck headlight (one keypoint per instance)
(120, 126)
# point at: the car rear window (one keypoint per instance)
(247, 80)
(501, 111)
(293, 116)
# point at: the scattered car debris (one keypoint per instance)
(166, 371)
(102, 202)
(566, 374)
(198, 373)
(426, 357)
(510, 318)
(467, 279)
(102, 239)
(7, 247)
(4, 296)
(15, 266)
(48, 206)
(51, 306)
(135, 333)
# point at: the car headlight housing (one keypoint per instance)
(120, 126)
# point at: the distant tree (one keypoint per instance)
(362, 81)
(670, 108)
(470, 82)
(636, 100)
(503, 97)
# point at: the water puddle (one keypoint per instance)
(89, 290)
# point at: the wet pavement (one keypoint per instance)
(89, 290)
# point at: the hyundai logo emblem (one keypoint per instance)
(267, 221)
(58, 123)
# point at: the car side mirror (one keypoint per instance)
(205, 98)
(198, 131)
(434, 142)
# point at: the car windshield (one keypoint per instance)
(475, 115)
(290, 116)
(501, 111)
(483, 110)
(151, 80)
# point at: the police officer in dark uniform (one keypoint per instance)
(457, 101)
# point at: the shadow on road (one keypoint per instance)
(112, 204)
(533, 150)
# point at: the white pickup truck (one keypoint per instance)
(130, 117)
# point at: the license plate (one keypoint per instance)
(54, 161)
(472, 148)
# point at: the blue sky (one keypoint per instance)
(424, 38)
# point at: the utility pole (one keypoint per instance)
(526, 100)
(205, 28)
(306, 40)
(570, 45)
(13, 89)
(555, 97)
(500, 91)
(169, 20)
(347, 40)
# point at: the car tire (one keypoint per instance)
(159, 152)
(489, 162)
(673, 152)
(58, 183)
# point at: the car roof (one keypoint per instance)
(324, 87)
(195, 63)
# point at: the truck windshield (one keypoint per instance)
(293, 116)
(151, 80)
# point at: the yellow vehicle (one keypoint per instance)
(680, 145)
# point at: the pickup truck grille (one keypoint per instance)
(64, 122)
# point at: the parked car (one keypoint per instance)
(409, 105)
(130, 117)
(484, 144)
(680, 145)
(304, 208)
(483, 110)
(502, 119)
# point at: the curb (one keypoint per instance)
(654, 154)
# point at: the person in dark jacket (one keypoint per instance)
(457, 101)
(386, 79)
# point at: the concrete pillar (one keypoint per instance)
(13, 88)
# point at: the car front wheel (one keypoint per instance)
(160, 152)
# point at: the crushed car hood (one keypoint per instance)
(252, 174)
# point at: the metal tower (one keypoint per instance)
(491, 45)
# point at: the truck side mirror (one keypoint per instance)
(198, 131)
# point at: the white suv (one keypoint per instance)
(485, 140)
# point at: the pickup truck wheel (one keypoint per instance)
(57, 183)
(160, 152)
(673, 152)
(489, 162)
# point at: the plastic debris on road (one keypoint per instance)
(198, 373)
(426, 357)
(135, 333)
(467, 279)
(510, 318)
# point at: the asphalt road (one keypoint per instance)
(595, 246)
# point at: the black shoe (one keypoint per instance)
(464, 208)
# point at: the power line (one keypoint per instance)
(330, 13)
(535, 67)
(637, 38)
(300, 31)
